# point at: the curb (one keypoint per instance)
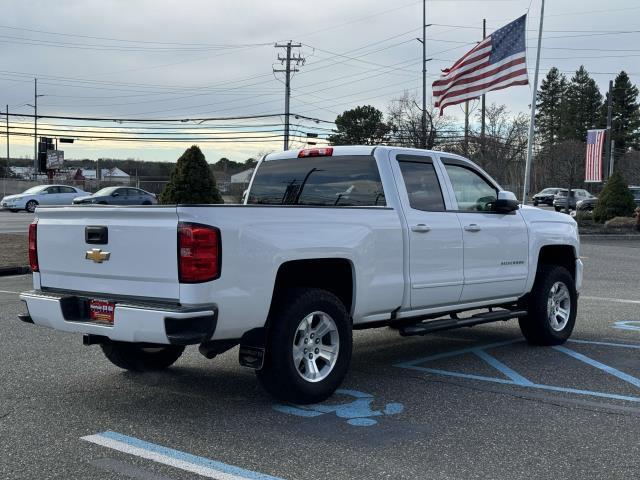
(612, 236)
(6, 271)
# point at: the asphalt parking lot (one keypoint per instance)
(17, 222)
(471, 403)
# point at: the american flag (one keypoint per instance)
(593, 164)
(497, 62)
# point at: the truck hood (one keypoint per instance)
(535, 214)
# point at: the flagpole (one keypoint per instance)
(532, 122)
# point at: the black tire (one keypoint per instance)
(558, 209)
(31, 206)
(146, 202)
(535, 203)
(140, 358)
(279, 374)
(537, 325)
(13, 210)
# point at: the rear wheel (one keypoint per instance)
(308, 347)
(551, 307)
(141, 357)
(558, 209)
(31, 206)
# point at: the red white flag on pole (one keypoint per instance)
(497, 62)
(593, 163)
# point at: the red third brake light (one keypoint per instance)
(33, 246)
(316, 152)
(199, 253)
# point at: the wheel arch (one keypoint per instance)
(561, 255)
(336, 275)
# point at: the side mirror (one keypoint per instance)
(115, 194)
(506, 202)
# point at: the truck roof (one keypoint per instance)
(342, 150)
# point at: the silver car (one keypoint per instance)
(119, 196)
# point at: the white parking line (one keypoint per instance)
(609, 299)
(175, 458)
(9, 291)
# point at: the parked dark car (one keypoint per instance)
(119, 196)
(589, 204)
(546, 196)
(560, 200)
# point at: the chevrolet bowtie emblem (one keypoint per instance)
(97, 255)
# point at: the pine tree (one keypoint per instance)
(191, 181)
(616, 200)
(625, 118)
(583, 105)
(550, 107)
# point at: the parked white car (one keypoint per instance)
(329, 240)
(41, 195)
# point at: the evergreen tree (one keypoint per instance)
(583, 105)
(616, 200)
(362, 125)
(191, 181)
(625, 118)
(550, 106)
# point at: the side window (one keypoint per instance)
(472, 191)
(422, 185)
(51, 190)
(67, 190)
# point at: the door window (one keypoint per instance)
(67, 190)
(473, 193)
(423, 188)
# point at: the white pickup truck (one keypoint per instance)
(327, 240)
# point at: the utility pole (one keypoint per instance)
(424, 74)
(298, 60)
(466, 128)
(35, 128)
(606, 170)
(613, 149)
(482, 125)
(6, 173)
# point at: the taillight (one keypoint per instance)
(199, 253)
(33, 246)
(316, 152)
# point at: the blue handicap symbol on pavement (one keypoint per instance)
(628, 325)
(357, 412)
(511, 377)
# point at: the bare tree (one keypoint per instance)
(502, 150)
(405, 117)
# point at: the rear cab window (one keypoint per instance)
(339, 181)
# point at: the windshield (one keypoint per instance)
(37, 189)
(104, 192)
(549, 190)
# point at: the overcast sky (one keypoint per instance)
(189, 58)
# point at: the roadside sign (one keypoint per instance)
(55, 159)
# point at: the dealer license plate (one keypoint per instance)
(101, 310)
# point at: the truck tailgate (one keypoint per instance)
(131, 251)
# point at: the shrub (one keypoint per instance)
(616, 200)
(191, 181)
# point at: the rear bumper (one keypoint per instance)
(139, 323)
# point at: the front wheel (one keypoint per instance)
(308, 347)
(535, 203)
(31, 206)
(558, 209)
(551, 307)
(138, 357)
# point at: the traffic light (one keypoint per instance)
(44, 145)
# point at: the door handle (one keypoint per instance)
(472, 228)
(420, 227)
